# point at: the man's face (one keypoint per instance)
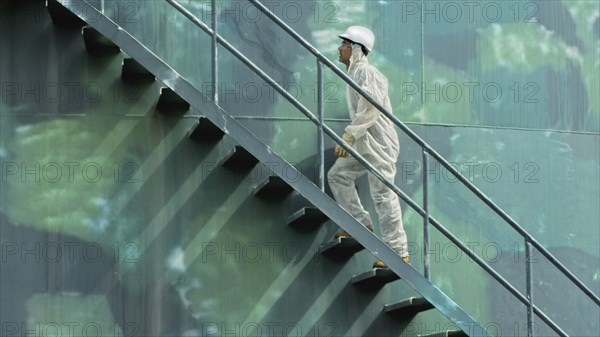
(345, 50)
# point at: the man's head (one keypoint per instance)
(355, 35)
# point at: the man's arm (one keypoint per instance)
(375, 84)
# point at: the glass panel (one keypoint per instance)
(514, 64)
(555, 294)
(168, 34)
(504, 90)
(531, 175)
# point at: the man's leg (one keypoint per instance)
(388, 209)
(341, 178)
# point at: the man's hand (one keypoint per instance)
(339, 151)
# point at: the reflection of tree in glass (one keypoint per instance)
(72, 178)
(71, 315)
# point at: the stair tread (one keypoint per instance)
(274, 187)
(307, 218)
(206, 132)
(63, 17)
(170, 102)
(408, 307)
(238, 159)
(449, 333)
(341, 248)
(133, 72)
(97, 44)
(375, 278)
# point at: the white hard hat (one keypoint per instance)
(360, 34)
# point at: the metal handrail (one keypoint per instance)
(263, 153)
(176, 80)
(425, 147)
(291, 99)
(429, 150)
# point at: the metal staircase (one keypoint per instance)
(104, 36)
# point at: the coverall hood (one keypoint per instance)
(357, 56)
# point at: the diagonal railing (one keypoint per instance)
(306, 188)
(282, 168)
(427, 151)
(529, 240)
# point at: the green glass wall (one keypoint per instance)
(113, 223)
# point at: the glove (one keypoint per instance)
(339, 151)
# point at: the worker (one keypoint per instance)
(374, 137)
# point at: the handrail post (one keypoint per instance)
(214, 61)
(529, 280)
(426, 217)
(321, 139)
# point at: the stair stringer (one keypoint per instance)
(264, 154)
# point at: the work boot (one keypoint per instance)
(344, 234)
(380, 264)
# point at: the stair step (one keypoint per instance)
(273, 188)
(408, 307)
(307, 218)
(63, 17)
(170, 102)
(133, 72)
(375, 278)
(341, 248)
(239, 159)
(98, 44)
(206, 132)
(450, 333)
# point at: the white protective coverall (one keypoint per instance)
(377, 141)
